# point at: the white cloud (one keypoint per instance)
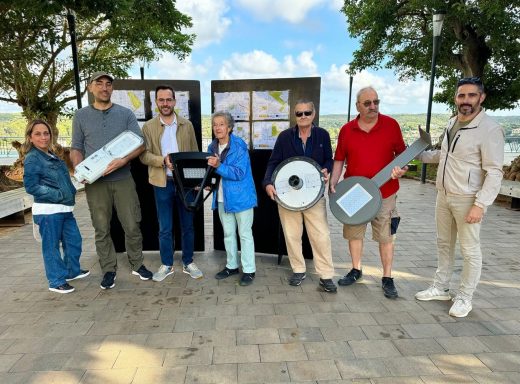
(209, 23)
(170, 67)
(394, 94)
(259, 64)
(293, 11)
(336, 5)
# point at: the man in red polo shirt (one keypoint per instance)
(366, 145)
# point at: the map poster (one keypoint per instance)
(242, 129)
(266, 132)
(236, 103)
(270, 105)
(182, 104)
(133, 100)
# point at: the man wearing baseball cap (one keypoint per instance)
(92, 128)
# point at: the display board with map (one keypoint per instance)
(243, 130)
(236, 103)
(270, 105)
(266, 132)
(131, 99)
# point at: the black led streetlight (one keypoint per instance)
(438, 19)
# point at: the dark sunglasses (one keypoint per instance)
(469, 80)
(368, 103)
(300, 114)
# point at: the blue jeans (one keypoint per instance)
(229, 221)
(56, 228)
(165, 199)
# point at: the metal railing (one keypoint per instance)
(7, 149)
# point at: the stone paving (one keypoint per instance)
(209, 331)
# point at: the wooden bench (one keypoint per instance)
(511, 188)
(13, 205)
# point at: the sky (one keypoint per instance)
(249, 39)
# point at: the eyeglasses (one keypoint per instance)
(368, 103)
(300, 114)
(469, 80)
(162, 101)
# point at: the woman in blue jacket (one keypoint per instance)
(235, 197)
(47, 179)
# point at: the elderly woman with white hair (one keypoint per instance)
(235, 196)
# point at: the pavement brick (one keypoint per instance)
(159, 375)
(188, 356)
(371, 349)
(297, 335)
(263, 373)
(236, 354)
(313, 370)
(212, 374)
(271, 353)
(258, 336)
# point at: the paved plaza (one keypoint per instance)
(207, 331)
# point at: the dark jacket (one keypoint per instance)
(235, 175)
(47, 179)
(285, 147)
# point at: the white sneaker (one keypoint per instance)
(461, 307)
(433, 293)
(163, 271)
(192, 270)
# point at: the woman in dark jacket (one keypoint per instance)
(47, 179)
(235, 197)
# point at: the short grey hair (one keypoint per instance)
(305, 101)
(358, 94)
(226, 115)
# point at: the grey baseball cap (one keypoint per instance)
(98, 75)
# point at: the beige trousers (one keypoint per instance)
(317, 227)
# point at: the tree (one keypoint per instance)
(479, 38)
(36, 69)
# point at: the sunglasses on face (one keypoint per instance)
(469, 80)
(368, 103)
(300, 114)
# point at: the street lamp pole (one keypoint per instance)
(71, 20)
(142, 62)
(349, 95)
(438, 19)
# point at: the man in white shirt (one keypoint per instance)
(164, 134)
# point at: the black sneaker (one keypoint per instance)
(143, 273)
(247, 279)
(297, 278)
(389, 288)
(108, 280)
(328, 285)
(82, 273)
(64, 288)
(351, 277)
(226, 272)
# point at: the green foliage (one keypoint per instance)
(35, 53)
(479, 38)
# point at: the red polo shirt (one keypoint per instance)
(366, 153)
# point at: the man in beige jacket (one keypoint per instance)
(468, 181)
(164, 134)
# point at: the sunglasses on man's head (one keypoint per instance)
(469, 80)
(300, 114)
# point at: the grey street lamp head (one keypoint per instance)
(438, 19)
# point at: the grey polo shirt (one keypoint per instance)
(92, 129)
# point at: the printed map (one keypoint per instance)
(270, 105)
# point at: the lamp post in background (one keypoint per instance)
(71, 20)
(351, 78)
(142, 62)
(438, 19)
